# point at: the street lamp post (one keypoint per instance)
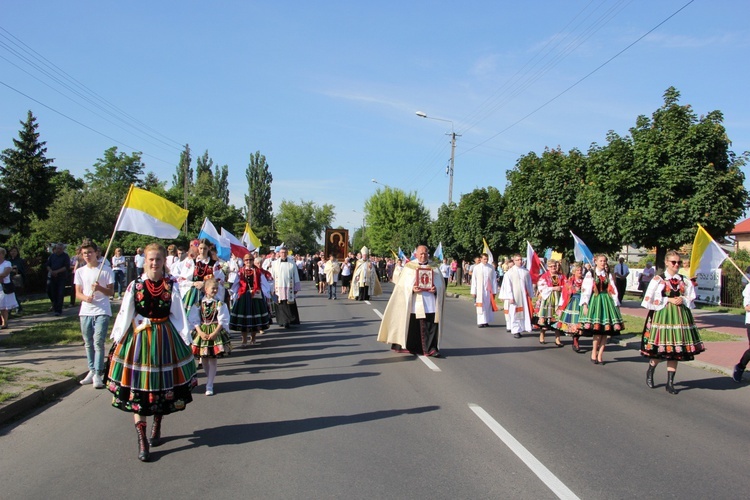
(384, 185)
(453, 135)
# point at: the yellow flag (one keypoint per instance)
(146, 213)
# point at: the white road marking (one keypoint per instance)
(427, 361)
(368, 302)
(432, 366)
(537, 467)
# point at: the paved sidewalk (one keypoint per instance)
(54, 370)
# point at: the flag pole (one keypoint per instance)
(112, 238)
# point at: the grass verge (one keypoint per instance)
(58, 332)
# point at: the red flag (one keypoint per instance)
(533, 264)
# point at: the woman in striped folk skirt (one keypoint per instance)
(570, 306)
(250, 310)
(600, 311)
(152, 369)
(669, 332)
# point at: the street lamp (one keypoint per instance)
(453, 135)
(384, 185)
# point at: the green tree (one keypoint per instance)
(480, 214)
(543, 199)
(26, 178)
(300, 225)
(115, 172)
(63, 179)
(78, 214)
(395, 219)
(442, 230)
(258, 205)
(684, 174)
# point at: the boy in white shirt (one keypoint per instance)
(95, 311)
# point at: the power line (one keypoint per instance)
(583, 78)
(82, 124)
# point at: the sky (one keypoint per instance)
(328, 91)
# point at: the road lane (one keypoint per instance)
(324, 410)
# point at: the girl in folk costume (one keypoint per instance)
(195, 271)
(600, 312)
(152, 369)
(250, 291)
(569, 310)
(550, 286)
(669, 332)
(209, 321)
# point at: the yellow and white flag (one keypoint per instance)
(146, 213)
(249, 238)
(707, 254)
(486, 250)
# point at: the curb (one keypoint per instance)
(36, 399)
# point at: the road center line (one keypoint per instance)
(427, 361)
(537, 467)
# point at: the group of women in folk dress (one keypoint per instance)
(160, 331)
(587, 304)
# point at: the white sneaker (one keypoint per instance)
(98, 381)
(209, 392)
(88, 378)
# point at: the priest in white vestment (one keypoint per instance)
(516, 291)
(484, 289)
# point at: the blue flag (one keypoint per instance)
(439, 252)
(581, 251)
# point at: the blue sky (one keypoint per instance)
(328, 91)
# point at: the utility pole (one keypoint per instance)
(453, 158)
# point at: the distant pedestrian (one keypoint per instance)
(669, 332)
(93, 289)
(7, 294)
(119, 268)
(346, 275)
(139, 260)
(58, 265)
(739, 368)
(18, 275)
(621, 277)
(332, 269)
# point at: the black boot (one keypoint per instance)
(140, 428)
(650, 375)
(670, 383)
(155, 439)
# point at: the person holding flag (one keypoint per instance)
(152, 368)
(669, 332)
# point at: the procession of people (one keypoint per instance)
(178, 315)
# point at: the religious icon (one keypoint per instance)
(337, 243)
(424, 279)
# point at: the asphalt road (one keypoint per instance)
(325, 411)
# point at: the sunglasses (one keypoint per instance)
(675, 262)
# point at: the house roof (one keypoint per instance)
(742, 228)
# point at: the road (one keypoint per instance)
(325, 411)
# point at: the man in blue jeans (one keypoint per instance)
(93, 289)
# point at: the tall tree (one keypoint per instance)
(26, 177)
(258, 206)
(115, 172)
(203, 169)
(182, 180)
(300, 225)
(481, 215)
(685, 175)
(221, 183)
(395, 219)
(543, 199)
